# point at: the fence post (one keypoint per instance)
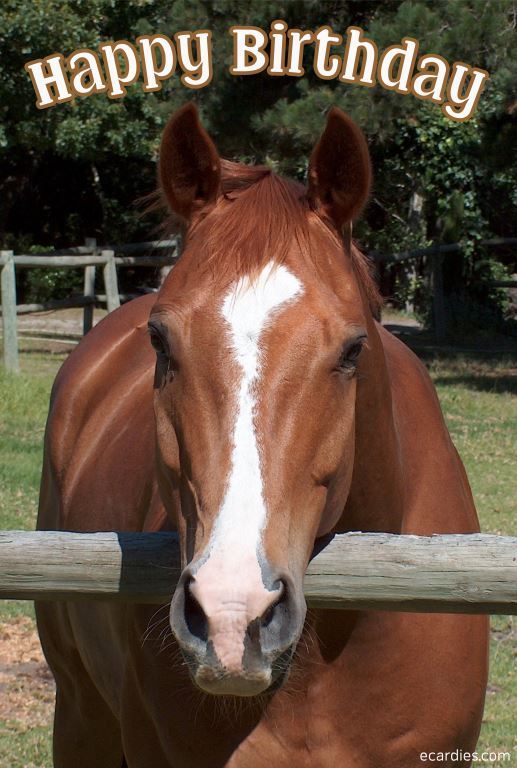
(438, 297)
(111, 281)
(9, 319)
(89, 288)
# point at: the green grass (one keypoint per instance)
(481, 414)
(480, 407)
(25, 747)
(23, 411)
(478, 399)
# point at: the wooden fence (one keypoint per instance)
(87, 257)
(436, 254)
(460, 573)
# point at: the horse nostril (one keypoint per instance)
(273, 610)
(195, 617)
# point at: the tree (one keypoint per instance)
(77, 168)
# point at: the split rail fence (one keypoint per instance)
(459, 573)
(436, 254)
(88, 257)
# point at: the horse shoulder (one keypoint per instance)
(438, 495)
(99, 442)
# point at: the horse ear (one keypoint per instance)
(189, 164)
(340, 170)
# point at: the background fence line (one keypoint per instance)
(436, 253)
(89, 257)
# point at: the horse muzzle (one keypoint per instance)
(237, 641)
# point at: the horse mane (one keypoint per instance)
(232, 238)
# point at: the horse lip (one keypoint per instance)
(218, 683)
(215, 680)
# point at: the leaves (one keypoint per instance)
(74, 170)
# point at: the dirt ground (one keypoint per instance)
(53, 333)
(26, 683)
(63, 321)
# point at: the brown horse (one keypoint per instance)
(282, 412)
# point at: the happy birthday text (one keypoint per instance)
(349, 59)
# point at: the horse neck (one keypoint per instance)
(375, 501)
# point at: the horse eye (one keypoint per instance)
(350, 355)
(158, 342)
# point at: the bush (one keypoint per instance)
(44, 284)
(41, 284)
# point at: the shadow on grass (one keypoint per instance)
(497, 384)
(485, 364)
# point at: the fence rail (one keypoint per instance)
(88, 257)
(147, 247)
(463, 573)
(394, 258)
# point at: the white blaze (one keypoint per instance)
(248, 310)
(229, 583)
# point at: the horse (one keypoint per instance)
(255, 406)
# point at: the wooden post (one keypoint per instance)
(9, 319)
(438, 297)
(110, 280)
(89, 288)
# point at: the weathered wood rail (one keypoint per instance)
(464, 573)
(88, 257)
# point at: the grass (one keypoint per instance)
(478, 400)
(25, 747)
(23, 412)
(476, 396)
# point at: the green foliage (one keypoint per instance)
(40, 285)
(446, 160)
(46, 284)
(78, 168)
(75, 170)
(477, 306)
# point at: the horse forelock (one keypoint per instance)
(256, 220)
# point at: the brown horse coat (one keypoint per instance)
(365, 689)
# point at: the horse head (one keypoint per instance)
(260, 331)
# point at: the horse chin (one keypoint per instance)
(232, 685)
(218, 682)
